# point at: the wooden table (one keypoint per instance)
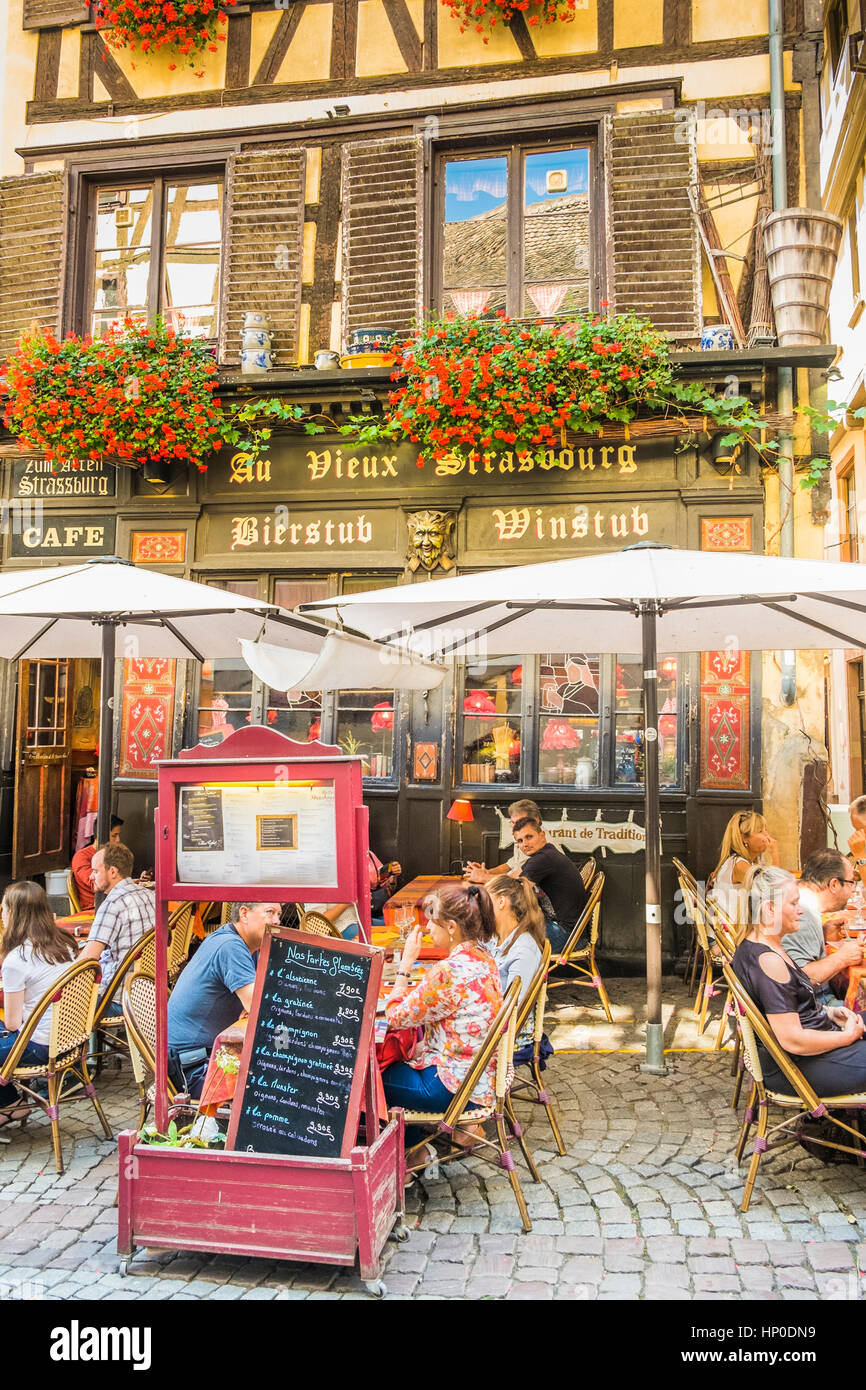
(413, 895)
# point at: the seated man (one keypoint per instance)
(215, 987)
(517, 811)
(126, 914)
(552, 871)
(825, 886)
(82, 865)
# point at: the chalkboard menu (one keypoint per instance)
(201, 819)
(307, 1046)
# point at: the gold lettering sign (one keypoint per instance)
(545, 524)
(276, 530)
(621, 458)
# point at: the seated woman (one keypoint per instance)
(826, 1044)
(744, 844)
(520, 937)
(35, 952)
(456, 1002)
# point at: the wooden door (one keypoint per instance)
(42, 768)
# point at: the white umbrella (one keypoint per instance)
(79, 610)
(343, 663)
(646, 597)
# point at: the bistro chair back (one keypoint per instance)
(108, 1027)
(181, 924)
(72, 893)
(457, 1119)
(577, 957)
(587, 871)
(530, 1012)
(319, 925)
(689, 891)
(139, 1017)
(72, 1000)
(804, 1102)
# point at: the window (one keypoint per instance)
(157, 248)
(837, 28)
(492, 720)
(569, 719)
(46, 704)
(849, 548)
(225, 698)
(515, 231)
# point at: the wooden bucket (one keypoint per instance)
(802, 247)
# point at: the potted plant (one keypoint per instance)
(484, 15)
(142, 395)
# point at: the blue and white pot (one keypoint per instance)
(255, 361)
(717, 337)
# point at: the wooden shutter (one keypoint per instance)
(264, 233)
(382, 222)
(51, 14)
(655, 248)
(32, 241)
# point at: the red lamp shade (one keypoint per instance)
(460, 810)
(478, 702)
(559, 735)
(383, 718)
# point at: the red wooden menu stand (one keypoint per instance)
(278, 1206)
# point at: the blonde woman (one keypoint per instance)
(745, 843)
(518, 946)
(827, 1044)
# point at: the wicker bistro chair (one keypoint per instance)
(458, 1119)
(804, 1103)
(689, 890)
(532, 1087)
(138, 1002)
(318, 924)
(108, 1031)
(181, 924)
(580, 960)
(73, 1002)
(587, 871)
(72, 893)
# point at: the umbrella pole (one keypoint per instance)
(106, 732)
(655, 1058)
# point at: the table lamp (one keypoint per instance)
(461, 811)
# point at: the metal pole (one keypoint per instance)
(655, 1057)
(106, 733)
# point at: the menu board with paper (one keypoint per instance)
(262, 833)
(307, 1042)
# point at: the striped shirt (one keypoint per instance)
(128, 912)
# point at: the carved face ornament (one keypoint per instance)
(430, 534)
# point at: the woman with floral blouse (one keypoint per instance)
(456, 1003)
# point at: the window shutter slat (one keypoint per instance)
(654, 233)
(382, 222)
(51, 14)
(264, 235)
(32, 239)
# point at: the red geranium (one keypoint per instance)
(150, 25)
(484, 15)
(120, 398)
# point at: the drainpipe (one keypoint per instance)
(788, 687)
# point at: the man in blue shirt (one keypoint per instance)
(213, 989)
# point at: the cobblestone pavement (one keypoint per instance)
(644, 1205)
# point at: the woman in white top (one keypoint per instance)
(520, 937)
(35, 952)
(745, 843)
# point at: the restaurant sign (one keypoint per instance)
(584, 837)
(302, 532)
(40, 477)
(575, 526)
(337, 466)
(64, 534)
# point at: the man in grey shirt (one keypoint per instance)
(825, 886)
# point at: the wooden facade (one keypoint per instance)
(326, 128)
